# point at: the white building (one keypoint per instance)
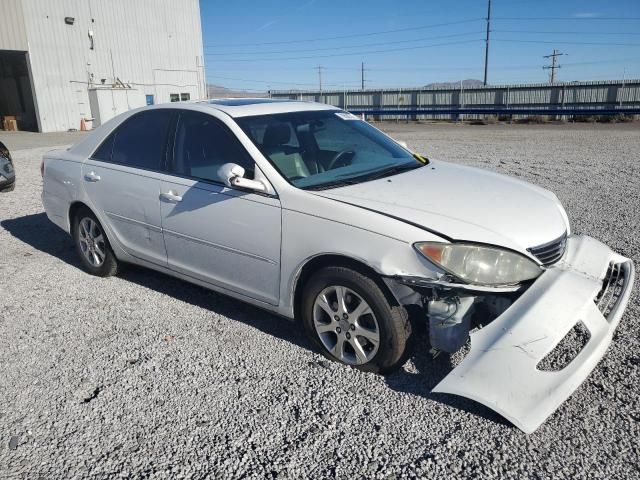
(58, 56)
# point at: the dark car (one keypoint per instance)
(7, 173)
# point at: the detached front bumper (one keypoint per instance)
(501, 371)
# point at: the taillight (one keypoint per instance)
(42, 168)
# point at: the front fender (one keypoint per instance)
(305, 237)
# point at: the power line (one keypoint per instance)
(362, 45)
(339, 37)
(421, 39)
(431, 68)
(568, 42)
(547, 32)
(408, 29)
(306, 69)
(259, 81)
(352, 53)
(269, 82)
(566, 18)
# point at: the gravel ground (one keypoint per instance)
(146, 376)
(22, 140)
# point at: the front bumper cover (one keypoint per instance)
(500, 370)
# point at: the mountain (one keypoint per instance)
(216, 91)
(469, 83)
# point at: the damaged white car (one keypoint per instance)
(309, 212)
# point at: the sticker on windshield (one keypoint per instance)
(347, 116)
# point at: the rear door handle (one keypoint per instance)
(170, 196)
(92, 177)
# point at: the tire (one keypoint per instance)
(97, 258)
(338, 337)
(10, 188)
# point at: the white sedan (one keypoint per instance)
(307, 211)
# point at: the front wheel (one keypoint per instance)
(350, 319)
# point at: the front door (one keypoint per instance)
(226, 237)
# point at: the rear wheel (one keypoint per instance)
(350, 319)
(92, 245)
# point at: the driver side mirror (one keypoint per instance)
(232, 175)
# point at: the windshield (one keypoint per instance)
(321, 149)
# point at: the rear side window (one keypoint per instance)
(139, 142)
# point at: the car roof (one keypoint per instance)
(244, 107)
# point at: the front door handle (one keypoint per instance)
(92, 177)
(170, 196)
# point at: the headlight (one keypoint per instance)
(480, 265)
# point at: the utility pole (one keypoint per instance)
(319, 67)
(554, 64)
(486, 49)
(624, 74)
(460, 103)
(362, 75)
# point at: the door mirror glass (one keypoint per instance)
(232, 175)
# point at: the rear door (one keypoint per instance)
(224, 236)
(122, 179)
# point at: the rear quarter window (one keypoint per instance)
(104, 151)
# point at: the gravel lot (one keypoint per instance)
(146, 376)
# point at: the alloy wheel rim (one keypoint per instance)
(92, 243)
(346, 325)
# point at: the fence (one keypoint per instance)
(567, 99)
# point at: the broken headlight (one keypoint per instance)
(480, 265)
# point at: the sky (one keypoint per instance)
(279, 44)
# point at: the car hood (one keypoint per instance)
(463, 204)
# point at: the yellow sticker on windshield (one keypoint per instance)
(420, 158)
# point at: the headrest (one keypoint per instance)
(276, 134)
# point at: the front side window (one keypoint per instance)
(174, 97)
(321, 149)
(139, 142)
(203, 144)
(185, 97)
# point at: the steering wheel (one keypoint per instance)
(341, 156)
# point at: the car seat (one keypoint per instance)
(285, 157)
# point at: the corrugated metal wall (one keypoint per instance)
(574, 94)
(156, 45)
(13, 35)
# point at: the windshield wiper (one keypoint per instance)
(385, 172)
(334, 184)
